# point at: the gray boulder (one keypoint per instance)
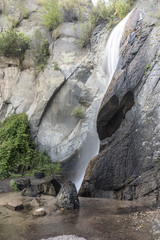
(67, 197)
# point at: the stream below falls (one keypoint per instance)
(97, 219)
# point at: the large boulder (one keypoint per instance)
(127, 166)
(67, 197)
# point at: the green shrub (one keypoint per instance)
(40, 50)
(147, 67)
(13, 185)
(72, 10)
(103, 13)
(13, 43)
(56, 67)
(50, 13)
(99, 14)
(20, 5)
(86, 31)
(122, 7)
(78, 112)
(17, 149)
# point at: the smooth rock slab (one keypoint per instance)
(15, 205)
(65, 237)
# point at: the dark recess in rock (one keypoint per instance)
(127, 166)
(39, 175)
(112, 114)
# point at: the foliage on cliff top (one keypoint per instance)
(110, 13)
(17, 149)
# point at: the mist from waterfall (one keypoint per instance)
(111, 57)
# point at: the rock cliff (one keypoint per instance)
(128, 165)
(72, 78)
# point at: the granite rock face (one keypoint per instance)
(72, 78)
(128, 164)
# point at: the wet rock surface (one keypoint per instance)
(97, 219)
(127, 166)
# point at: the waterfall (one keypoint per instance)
(110, 61)
(111, 55)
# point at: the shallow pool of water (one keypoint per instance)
(97, 219)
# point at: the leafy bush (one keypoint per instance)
(50, 13)
(17, 149)
(100, 13)
(13, 43)
(103, 13)
(20, 5)
(86, 31)
(40, 49)
(147, 67)
(13, 185)
(72, 10)
(78, 112)
(122, 7)
(56, 67)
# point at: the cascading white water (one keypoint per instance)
(111, 55)
(110, 61)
